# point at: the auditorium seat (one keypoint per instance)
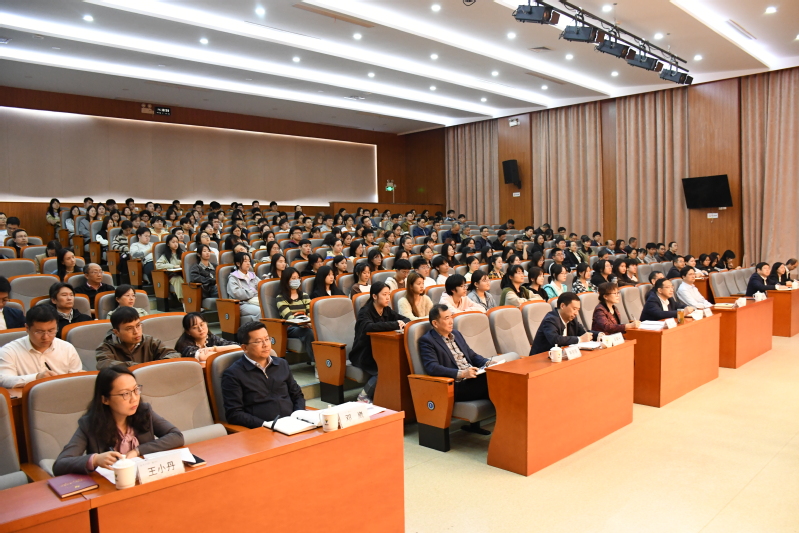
(215, 366)
(10, 473)
(81, 303)
(588, 302)
(193, 301)
(26, 288)
(632, 302)
(77, 279)
(718, 285)
(86, 337)
(30, 252)
(228, 309)
(166, 327)
(50, 265)
(382, 275)
(359, 300)
(268, 290)
(396, 295)
(507, 330)
(533, 314)
(9, 335)
(17, 267)
(495, 290)
(104, 302)
(345, 283)
(643, 289)
(435, 292)
(7, 252)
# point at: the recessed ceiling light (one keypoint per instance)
(295, 59)
(770, 10)
(432, 87)
(88, 18)
(511, 35)
(435, 7)
(433, 56)
(495, 73)
(658, 36)
(569, 57)
(544, 87)
(483, 99)
(260, 11)
(614, 73)
(357, 36)
(203, 41)
(371, 74)
(698, 57)
(607, 8)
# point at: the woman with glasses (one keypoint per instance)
(117, 425)
(607, 318)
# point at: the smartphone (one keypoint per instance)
(197, 462)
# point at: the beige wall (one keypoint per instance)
(46, 154)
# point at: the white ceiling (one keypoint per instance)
(150, 51)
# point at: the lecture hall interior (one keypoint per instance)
(399, 266)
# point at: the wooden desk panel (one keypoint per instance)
(393, 390)
(258, 480)
(703, 284)
(673, 362)
(786, 312)
(547, 411)
(35, 508)
(19, 427)
(745, 332)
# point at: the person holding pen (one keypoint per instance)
(116, 425)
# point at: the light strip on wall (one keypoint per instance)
(718, 23)
(378, 15)
(249, 64)
(217, 22)
(129, 71)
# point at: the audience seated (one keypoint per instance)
(495, 265)
(325, 283)
(661, 304)
(293, 303)
(374, 315)
(402, 267)
(422, 267)
(560, 326)
(10, 318)
(415, 304)
(651, 256)
(678, 263)
(454, 234)
(39, 354)
(62, 301)
(557, 281)
(582, 280)
(607, 318)
(93, 283)
(572, 255)
(758, 282)
(125, 296)
(204, 272)
(687, 293)
(779, 275)
(199, 343)
(671, 253)
(170, 260)
(20, 241)
(143, 249)
(620, 274)
(455, 298)
(242, 285)
(363, 279)
(445, 353)
(537, 281)
(116, 425)
(51, 250)
(126, 345)
(478, 291)
(514, 292)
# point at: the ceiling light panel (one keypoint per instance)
(344, 49)
(204, 55)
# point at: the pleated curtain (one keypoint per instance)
(770, 165)
(567, 167)
(473, 170)
(652, 159)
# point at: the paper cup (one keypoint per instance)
(556, 355)
(329, 422)
(124, 473)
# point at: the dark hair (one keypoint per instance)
(123, 315)
(375, 289)
(40, 313)
(506, 279)
(50, 210)
(126, 224)
(532, 274)
(243, 334)
(56, 287)
(338, 259)
(567, 298)
(654, 274)
(14, 221)
(684, 271)
(101, 420)
(142, 230)
(604, 289)
(186, 339)
(659, 283)
(453, 282)
(61, 270)
(319, 282)
(554, 272)
(358, 269)
(370, 259)
(760, 265)
(238, 258)
(436, 311)
(726, 256)
(285, 290)
(5, 285)
(122, 290)
(354, 246)
(168, 252)
(477, 276)
(402, 264)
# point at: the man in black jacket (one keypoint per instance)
(11, 318)
(757, 283)
(661, 304)
(258, 388)
(561, 327)
(482, 241)
(671, 253)
(94, 283)
(678, 263)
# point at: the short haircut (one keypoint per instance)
(677, 258)
(142, 230)
(501, 232)
(760, 265)
(483, 227)
(55, 288)
(126, 224)
(305, 241)
(5, 285)
(123, 315)
(685, 271)
(567, 298)
(402, 264)
(435, 312)
(653, 275)
(651, 246)
(418, 262)
(14, 221)
(243, 334)
(453, 282)
(659, 283)
(40, 313)
(594, 234)
(604, 289)
(672, 242)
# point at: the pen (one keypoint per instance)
(47, 366)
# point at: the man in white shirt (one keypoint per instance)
(687, 292)
(422, 267)
(39, 354)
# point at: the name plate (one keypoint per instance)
(617, 338)
(671, 323)
(571, 352)
(707, 312)
(161, 467)
(698, 315)
(607, 341)
(740, 302)
(351, 413)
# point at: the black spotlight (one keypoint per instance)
(616, 49)
(583, 34)
(676, 76)
(537, 14)
(645, 62)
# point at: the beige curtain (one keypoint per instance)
(770, 161)
(652, 159)
(567, 167)
(473, 170)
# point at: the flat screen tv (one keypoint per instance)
(708, 191)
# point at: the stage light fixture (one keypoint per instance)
(645, 62)
(537, 14)
(616, 49)
(676, 76)
(583, 34)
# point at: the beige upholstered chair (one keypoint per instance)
(588, 302)
(166, 327)
(26, 288)
(10, 473)
(533, 314)
(632, 303)
(86, 337)
(507, 330)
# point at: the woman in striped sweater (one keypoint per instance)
(292, 303)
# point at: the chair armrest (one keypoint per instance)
(96, 252)
(113, 257)
(192, 297)
(726, 299)
(331, 361)
(34, 472)
(278, 330)
(433, 399)
(233, 428)
(160, 279)
(229, 315)
(135, 272)
(330, 344)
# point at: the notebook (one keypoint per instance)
(296, 422)
(71, 484)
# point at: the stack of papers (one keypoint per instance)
(590, 345)
(724, 306)
(652, 325)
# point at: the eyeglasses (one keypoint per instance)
(262, 342)
(136, 392)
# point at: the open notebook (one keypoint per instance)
(296, 422)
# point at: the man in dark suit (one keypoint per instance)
(482, 241)
(11, 318)
(757, 283)
(561, 327)
(454, 234)
(499, 244)
(671, 253)
(572, 258)
(444, 353)
(94, 283)
(661, 304)
(678, 263)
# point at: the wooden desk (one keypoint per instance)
(745, 332)
(348, 480)
(786, 312)
(547, 411)
(703, 284)
(393, 390)
(672, 362)
(19, 427)
(34, 508)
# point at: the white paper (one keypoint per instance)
(108, 474)
(741, 302)
(618, 338)
(707, 312)
(783, 288)
(698, 315)
(590, 345)
(185, 455)
(374, 409)
(670, 323)
(482, 369)
(652, 325)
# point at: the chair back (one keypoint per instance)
(476, 332)
(77, 279)
(307, 284)
(10, 335)
(291, 254)
(359, 301)
(345, 282)
(676, 284)
(51, 409)
(215, 366)
(81, 303)
(263, 269)
(718, 285)
(50, 265)
(435, 292)
(17, 267)
(396, 296)
(644, 289)
(166, 327)
(222, 274)
(588, 302)
(268, 290)
(632, 302)
(413, 332)
(388, 263)
(7, 252)
(86, 337)
(741, 279)
(643, 271)
(105, 303)
(533, 314)
(657, 267)
(507, 330)
(9, 458)
(333, 320)
(382, 275)
(26, 288)
(495, 290)
(30, 252)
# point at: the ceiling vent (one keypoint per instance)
(541, 49)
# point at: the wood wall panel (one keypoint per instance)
(714, 137)
(514, 143)
(425, 167)
(394, 208)
(31, 214)
(609, 210)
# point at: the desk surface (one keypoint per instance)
(35, 507)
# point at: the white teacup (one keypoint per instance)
(124, 473)
(556, 354)
(329, 421)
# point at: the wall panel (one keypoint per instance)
(425, 166)
(514, 143)
(608, 111)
